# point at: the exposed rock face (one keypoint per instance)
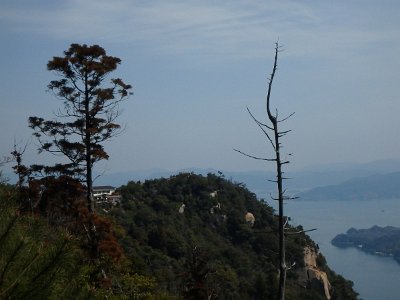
(315, 278)
(214, 194)
(182, 209)
(249, 217)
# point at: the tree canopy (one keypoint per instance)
(89, 112)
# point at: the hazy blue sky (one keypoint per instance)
(196, 65)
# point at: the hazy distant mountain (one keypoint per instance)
(332, 174)
(258, 181)
(383, 186)
(376, 166)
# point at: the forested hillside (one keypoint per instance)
(183, 237)
(208, 238)
(47, 254)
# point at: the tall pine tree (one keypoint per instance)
(87, 119)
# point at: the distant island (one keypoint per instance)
(376, 240)
(374, 187)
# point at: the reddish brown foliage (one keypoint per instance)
(61, 200)
(106, 242)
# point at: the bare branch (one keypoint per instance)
(261, 125)
(258, 122)
(291, 266)
(284, 119)
(299, 231)
(255, 157)
(283, 133)
(286, 222)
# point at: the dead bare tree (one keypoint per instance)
(19, 169)
(274, 135)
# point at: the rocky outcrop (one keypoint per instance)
(313, 277)
(182, 209)
(249, 217)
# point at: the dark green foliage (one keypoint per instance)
(343, 289)
(208, 249)
(44, 260)
(36, 261)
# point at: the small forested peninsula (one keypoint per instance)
(375, 240)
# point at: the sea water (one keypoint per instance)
(374, 277)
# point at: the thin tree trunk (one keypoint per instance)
(282, 252)
(279, 178)
(89, 180)
(274, 121)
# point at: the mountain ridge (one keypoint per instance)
(373, 187)
(258, 182)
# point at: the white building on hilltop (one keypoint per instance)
(105, 196)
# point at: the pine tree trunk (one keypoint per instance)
(89, 180)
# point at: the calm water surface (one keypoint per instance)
(374, 277)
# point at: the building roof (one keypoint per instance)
(103, 187)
